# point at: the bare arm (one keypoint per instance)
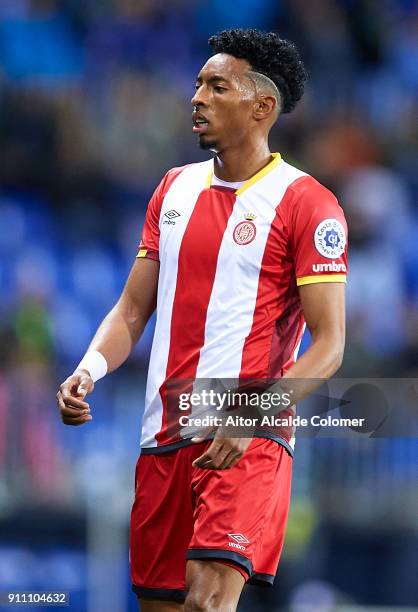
(123, 326)
(323, 306)
(115, 337)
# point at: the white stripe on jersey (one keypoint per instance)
(181, 197)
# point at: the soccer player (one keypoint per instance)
(237, 252)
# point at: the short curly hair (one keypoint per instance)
(267, 53)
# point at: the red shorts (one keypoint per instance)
(236, 516)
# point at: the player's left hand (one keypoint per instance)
(223, 453)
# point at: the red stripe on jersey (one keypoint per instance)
(286, 336)
(150, 239)
(200, 244)
(277, 321)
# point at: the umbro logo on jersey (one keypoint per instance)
(170, 214)
(239, 539)
(329, 267)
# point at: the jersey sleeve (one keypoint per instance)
(150, 240)
(318, 235)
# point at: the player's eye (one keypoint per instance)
(219, 89)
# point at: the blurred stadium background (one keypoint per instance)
(94, 108)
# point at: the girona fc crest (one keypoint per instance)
(244, 232)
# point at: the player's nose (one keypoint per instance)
(198, 98)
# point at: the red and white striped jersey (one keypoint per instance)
(230, 265)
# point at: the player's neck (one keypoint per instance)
(235, 165)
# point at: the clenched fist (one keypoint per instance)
(70, 398)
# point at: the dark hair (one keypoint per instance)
(267, 53)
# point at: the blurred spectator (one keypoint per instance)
(140, 36)
(214, 15)
(39, 47)
(377, 207)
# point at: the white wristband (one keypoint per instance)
(95, 364)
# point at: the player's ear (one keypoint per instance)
(265, 107)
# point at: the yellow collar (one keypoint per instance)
(254, 179)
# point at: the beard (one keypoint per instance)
(207, 145)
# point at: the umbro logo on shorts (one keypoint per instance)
(239, 539)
